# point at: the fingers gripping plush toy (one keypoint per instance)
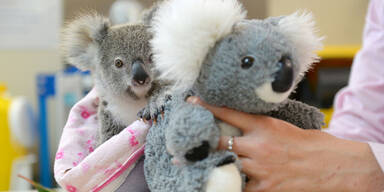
(119, 58)
(208, 48)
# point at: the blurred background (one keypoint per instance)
(37, 88)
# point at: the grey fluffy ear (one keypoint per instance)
(81, 39)
(150, 13)
(274, 20)
(185, 31)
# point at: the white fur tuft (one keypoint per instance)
(224, 179)
(300, 29)
(185, 30)
(266, 93)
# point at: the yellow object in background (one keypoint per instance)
(337, 52)
(327, 116)
(9, 148)
(3, 88)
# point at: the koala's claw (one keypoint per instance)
(147, 116)
(168, 98)
(151, 113)
(154, 108)
(140, 113)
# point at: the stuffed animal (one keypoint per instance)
(208, 49)
(119, 58)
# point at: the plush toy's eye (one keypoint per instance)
(284, 77)
(119, 63)
(247, 62)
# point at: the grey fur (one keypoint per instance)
(222, 82)
(224, 60)
(91, 43)
(162, 175)
(183, 123)
(108, 126)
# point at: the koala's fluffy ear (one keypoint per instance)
(300, 30)
(148, 14)
(184, 33)
(81, 39)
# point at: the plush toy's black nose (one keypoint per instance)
(139, 75)
(198, 153)
(284, 77)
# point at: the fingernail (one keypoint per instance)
(193, 100)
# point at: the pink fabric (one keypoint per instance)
(135, 156)
(79, 166)
(359, 107)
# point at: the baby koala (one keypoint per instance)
(119, 58)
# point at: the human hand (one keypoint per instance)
(278, 156)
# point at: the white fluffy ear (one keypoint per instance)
(300, 29)
(185, 30)
(81, 38)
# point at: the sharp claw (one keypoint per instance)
(155, 117)
(147, 117)
(168, 97)
(162, 108)
(139, 114)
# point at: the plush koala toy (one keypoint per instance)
(209, 49)
(119, 58)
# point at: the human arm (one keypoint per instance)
(79, 165)
(278, 156)
(359, 107)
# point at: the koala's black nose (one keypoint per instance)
(284, 77)
(139, 75)
(198, 153)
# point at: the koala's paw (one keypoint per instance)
(154, 109)
(150, 112)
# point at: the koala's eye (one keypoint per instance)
(119, 63)
(247, 62)
(284, 77)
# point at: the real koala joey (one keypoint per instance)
(120, 61)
